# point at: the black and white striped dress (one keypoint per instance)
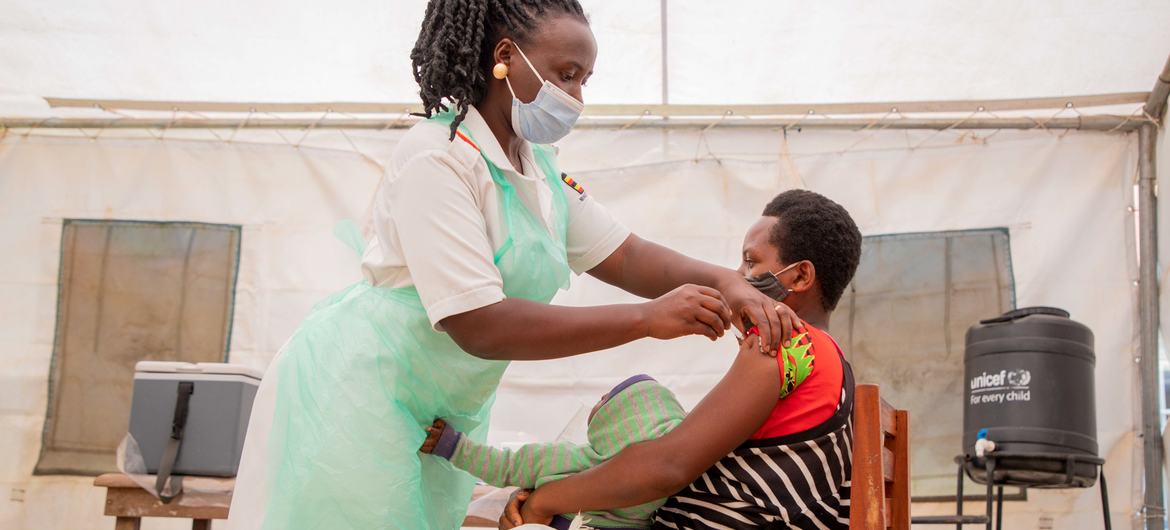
(796, 481)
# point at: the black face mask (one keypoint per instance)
(769, 284)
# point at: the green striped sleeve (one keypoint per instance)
(502, 468)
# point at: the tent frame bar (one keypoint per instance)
(1156, 104)
(1110, 123)
(834, 116)
(661, 110)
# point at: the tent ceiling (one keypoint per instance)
(745, 52)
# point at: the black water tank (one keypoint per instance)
(1029, 387)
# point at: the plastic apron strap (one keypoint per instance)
(347, 232)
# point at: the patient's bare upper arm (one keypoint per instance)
(727, 416)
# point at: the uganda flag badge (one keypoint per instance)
(573, 184)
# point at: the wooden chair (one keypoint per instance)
(880, 496)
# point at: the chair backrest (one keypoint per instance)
(880, 495)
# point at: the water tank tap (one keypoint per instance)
(983, 445)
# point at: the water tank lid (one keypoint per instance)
(1026, 311)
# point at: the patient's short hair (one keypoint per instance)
(816, 229)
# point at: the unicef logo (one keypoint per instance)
(1019, 377)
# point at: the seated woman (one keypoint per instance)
(751, 453)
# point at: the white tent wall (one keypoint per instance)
(1065, 198)
(752, 51)
(999, 49)
(267, 50)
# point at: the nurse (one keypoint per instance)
(476, 230)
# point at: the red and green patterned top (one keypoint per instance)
(812, 375)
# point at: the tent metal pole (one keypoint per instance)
(1111, 123)
(606, 110)
(1153, 507)
(1156, 103)
(664, 21)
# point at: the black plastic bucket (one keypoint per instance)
(1030, 389)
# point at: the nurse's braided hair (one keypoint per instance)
(453, 54)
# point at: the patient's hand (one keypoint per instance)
(433, 434)
(511, 518)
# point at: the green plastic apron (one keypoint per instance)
(365, 372)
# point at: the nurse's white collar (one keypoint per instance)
(490, 147)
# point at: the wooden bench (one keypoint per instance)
(129, 503)
(880, 496)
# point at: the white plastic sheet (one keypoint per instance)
(1064, 198)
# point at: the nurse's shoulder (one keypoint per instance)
(428, 144)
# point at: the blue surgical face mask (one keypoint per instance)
(549, 117)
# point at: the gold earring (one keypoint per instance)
(500, 71)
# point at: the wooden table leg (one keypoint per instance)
(201, 524)
(127, 523)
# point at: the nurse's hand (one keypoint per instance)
(687, 310)
(775, 321)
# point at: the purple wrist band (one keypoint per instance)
(448, 442)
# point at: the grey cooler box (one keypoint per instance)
(219, 405)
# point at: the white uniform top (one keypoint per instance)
(437, 218)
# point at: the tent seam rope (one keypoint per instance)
(232, 138)
(313, 126)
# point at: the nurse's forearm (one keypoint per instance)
(650, 270)
(521, 330)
